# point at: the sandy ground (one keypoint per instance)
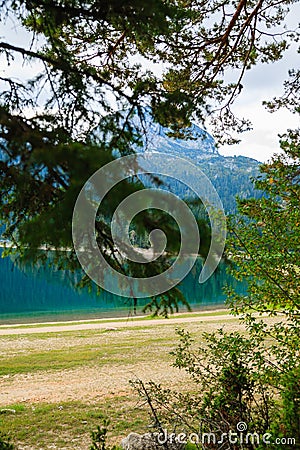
(83, 384)
(98, 325)
(92, 383)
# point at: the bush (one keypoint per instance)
(235, 383)
(99, 438)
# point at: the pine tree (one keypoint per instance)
(98, 68)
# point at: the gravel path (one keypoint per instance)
(98, 325)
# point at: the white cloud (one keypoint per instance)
(263, 141)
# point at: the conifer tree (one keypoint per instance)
(99, 64)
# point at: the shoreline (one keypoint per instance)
(39, 318)
(113, 323)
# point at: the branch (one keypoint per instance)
(62, 65)
(262, 269)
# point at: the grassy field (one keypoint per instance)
(68, 425)
(57, 387)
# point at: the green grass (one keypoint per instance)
(69, 424)
(112, 347)
(122, 346)
(71, 322)
(67, 359)
(54, 359)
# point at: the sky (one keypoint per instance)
(262, 82)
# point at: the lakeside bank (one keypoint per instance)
(112, 323)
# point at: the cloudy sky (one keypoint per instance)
(261, 83)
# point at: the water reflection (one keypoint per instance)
(42, 293)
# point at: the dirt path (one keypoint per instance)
(6, 330)
(84, 384)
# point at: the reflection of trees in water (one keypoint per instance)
(210, 292)
(40, 288)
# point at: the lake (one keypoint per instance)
(43, 294)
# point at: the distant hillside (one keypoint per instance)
(231, 176)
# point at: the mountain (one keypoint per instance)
(231, 176)
(199, 147)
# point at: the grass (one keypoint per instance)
(68, 425)
(56, 359)
(130, 350)
(70, 349)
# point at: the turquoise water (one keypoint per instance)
(43, 294)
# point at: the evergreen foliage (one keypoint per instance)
(99, 64)
(97, 70)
